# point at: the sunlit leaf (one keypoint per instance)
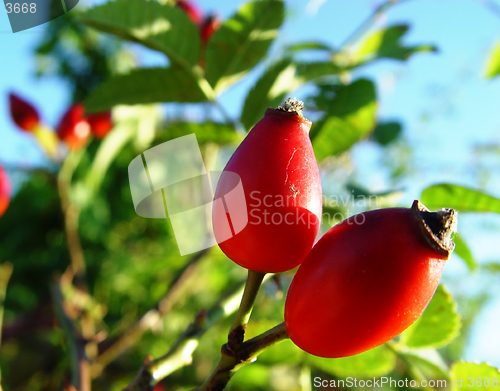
(492, 67)
(150, 23)
(438, 325)
(428, 361)
(386, 132)
(461, 198)
(351, 117)
(474, 376)
(309, 45)
(463, 251)
(242, 41)
(374, 362)
(308, 71)
(386, 43)
(214, 132)
(148, 85)
(269, 91)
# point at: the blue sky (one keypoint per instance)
(442, 99)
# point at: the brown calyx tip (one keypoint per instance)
(292, 106)
(436, 227)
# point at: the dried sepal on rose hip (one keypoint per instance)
(367, 279)
(23, 113)
(282, 190)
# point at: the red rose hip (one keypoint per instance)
(73, 128)
(282, 189)
(23, 113)
(5, 191)
(100, 124)
(367, 279)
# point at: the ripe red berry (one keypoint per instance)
(5, 191)
(100, 124)
(23, 113)
(209, 26)
(368, 279)
(73, 128)
(282, 189)
(192, 10)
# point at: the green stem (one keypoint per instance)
(246, 353)
(237, 331)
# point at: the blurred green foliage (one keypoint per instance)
(132, 263)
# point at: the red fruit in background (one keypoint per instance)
(159, 387)
(5, 191)
(23, 113)
(100, 123)
(367, 279)
(209, 26)
(73, 128)
(192, 10)
(282, 189)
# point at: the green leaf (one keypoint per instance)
(492, 67)
(206, 132)
(474, 376)
(386, 132)
(462, 198)
(242, 41)
(428, 361)
(374, 362)
(277, 81)
(147, 85)
(351, 116)
(463, 251)
(269, 91)
(156, 26)
(438, 325)
(309, 45)
(308, 71)
(386, 43)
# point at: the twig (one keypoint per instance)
(80, 376)
(237, 331)
(246, 353)
(151, 318)
(71, 213)
(180, 353)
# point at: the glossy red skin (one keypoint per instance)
(362, 284)
(276, 159)
(5, 191)
(73, 128)
(192, 10)
(23, 113)
(100, 124)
